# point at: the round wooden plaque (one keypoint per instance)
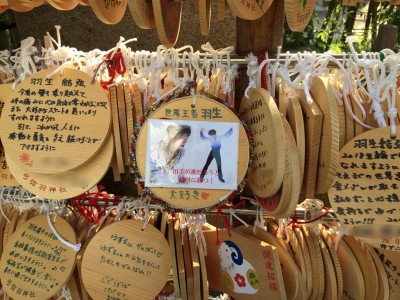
(322, 92)
(142, 13)
(6, 211)
(70, 183)
(122, 261)
(265, 123)
(307, 259)
(298, 256)
(363, 192)
(54, 125)
(35, 263)
(9, 228)
(250, 9)
(279, 203)
(367, 266)
(109, 12)
(338, 269)
(353, 281)
(331, 288)
(299, 13)
(194, 198)
(63, 5)
(391, 262)
(317, 265)
(6, 178)
(167, 15)
(383, 282)
(293, 163)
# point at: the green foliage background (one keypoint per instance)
(323, 35)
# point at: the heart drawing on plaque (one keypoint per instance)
(205, 195)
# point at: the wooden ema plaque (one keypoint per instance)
(63, 5)
(54, 125)
(338, 270)
(367, 266)
(142, 13)
(391, 262)
(298, 256)
(167, 15)
(122, 261)
(322, 91)
(364, 190)
(317, 265)
(308, 271)
(313, 125)
(278, 204)
(249, 9)
(243, 267)
(383, 282)
(6, 178)
(113, 94)
(205, 16)
(299, 13)
(294, 115)
(349, 134)
(109, 12)
(353, 281)
(205, 110)
(265, 123)
(35, 264)
(284, 264)
(293, 164)
(67, 184)
(330, 291)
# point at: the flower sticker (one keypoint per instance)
(240, 280)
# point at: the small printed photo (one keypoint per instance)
(192, 154)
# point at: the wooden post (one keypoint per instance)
(258, 36)
(387, 36)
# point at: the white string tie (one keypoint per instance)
(76, 247)
(252, 70)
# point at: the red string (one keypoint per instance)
(224, 219)
(296, 223)
(114, 65)
(264, 82)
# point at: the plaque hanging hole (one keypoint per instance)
(393, 136)
(193, 105)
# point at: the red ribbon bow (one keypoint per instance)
(116, 64)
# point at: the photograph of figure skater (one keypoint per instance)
(181, 154)
(167, 154)
(215, 152)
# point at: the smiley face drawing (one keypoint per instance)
(236, 272)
